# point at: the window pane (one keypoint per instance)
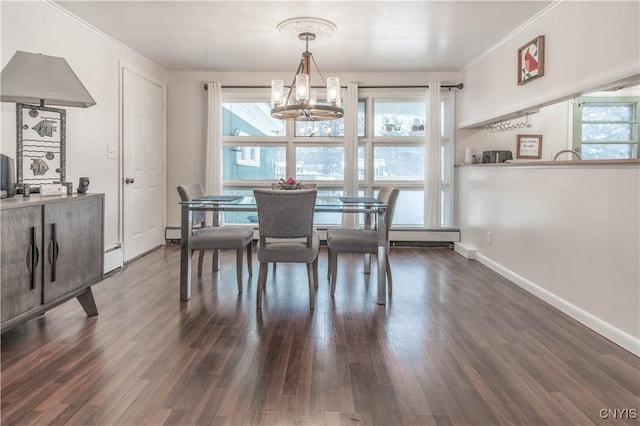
(360, 163)
(399, 118)
(253, 163)
(361, 118)
(320, 163)
(239, 217)
(409, 208)
(398, 163)
(606, 151)
(607, 112)
(250, 119)
(330, 128)
(328, 218)
(607, 132)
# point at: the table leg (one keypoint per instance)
(185, 255)
(382, 257)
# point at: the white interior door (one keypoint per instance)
(143, 157)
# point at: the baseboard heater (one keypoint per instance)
(398, 237)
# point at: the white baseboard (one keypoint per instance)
(617, 336)
(465, 251)
(113, 259)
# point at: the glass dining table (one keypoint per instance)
(373, 210)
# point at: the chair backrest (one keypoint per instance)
(389, 196)
(190, 192)
(285, 214)
(274, 185)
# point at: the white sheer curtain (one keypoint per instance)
(433, 154)
(213, 151)
(213, 165)
(350, 149)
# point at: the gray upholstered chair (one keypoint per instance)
(274, 185)
(287, 234)
(231, 237)
(346, 240)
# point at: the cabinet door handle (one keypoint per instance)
(33, 257)
(53, 251)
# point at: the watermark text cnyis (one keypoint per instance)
(619, 413)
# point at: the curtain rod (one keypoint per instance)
(444, 86)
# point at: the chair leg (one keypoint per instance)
(215, 262)
(262, 278)
(239, 268)
(367, 263)
(333, 260)
(312, 286)
(315, 273)
(389, 279)
(200, 260)
(328, 263)
(250, 258)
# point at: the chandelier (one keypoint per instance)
(299, 102)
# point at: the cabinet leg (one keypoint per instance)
(88, 303)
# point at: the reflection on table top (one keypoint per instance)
(248, 203)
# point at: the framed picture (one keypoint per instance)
(529, 146)
(531, 60)
(40, 145)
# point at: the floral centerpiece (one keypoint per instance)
(289, 184)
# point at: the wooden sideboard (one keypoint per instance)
(51, 250)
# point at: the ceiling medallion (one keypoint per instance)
(304, 106)
(292, 28)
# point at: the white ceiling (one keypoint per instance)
(373, 36)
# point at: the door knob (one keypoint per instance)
(129, 180)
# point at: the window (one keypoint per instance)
(319, 163)
(259, 150)
(259, 162)
(248, 156)
(403, 118)
(250, 119)
(606, 127)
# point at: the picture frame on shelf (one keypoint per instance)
(529, 147)
(41, 152)
(531, 60)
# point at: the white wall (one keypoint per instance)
(40, 27)
(568, 233)
(587, 44)
(186, 122)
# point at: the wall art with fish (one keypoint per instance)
(41, 145)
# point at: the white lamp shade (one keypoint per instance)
(31, 78)
(333, 90)
(302, 87)
(277, 92)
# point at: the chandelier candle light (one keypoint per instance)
(305, 106)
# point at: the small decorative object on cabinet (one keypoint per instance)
(52, 251)
(83, 185)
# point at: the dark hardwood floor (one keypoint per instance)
(456, 344)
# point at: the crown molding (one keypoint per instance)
(513, 33)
